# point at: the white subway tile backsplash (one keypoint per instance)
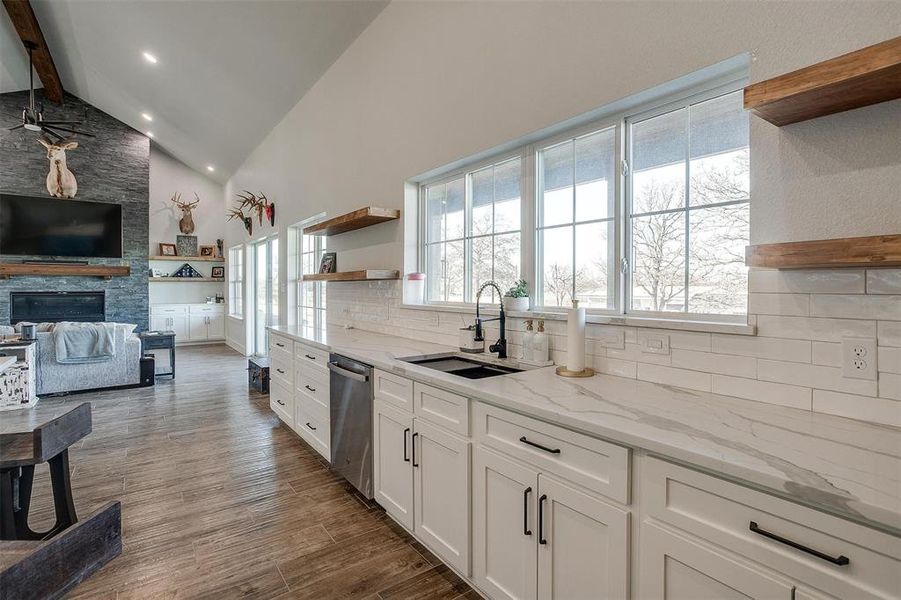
(762, 347)
(763, 391)
(890, 333)
(693, 380)
(857, 306)
(613, 366)
(827, 353)
(690, 341)
(876, 410)
(809, 328)
(889, 360)
(796, 305)
(725, 364)
(813, 376)
(884, 281)
(890, 386)
(817, 281)
(634, 353)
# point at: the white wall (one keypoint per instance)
(168, 175)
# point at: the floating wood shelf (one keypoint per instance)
(875, 251)
(363, 275)
(190, 279)
(188, 258)
(861, 78)
(24, 269)
(357, 219)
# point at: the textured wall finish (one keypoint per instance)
(114, 167)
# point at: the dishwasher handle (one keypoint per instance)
(334, 368)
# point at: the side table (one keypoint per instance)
(160, 340)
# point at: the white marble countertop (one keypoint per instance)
(846, 467)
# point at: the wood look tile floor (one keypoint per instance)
(219, 500)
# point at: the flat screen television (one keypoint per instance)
(53, 227)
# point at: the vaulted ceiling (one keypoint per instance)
(226, 71)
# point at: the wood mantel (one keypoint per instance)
(8, 270)
(873, 251)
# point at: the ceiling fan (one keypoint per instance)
(33, 114)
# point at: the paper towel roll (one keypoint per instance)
(575, 338)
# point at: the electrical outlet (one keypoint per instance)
(654, 343)
(859, 358)
(611, 338)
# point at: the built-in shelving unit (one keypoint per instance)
(189, 279)
(217, 259)
(8, 270)
(874, 251)
(861, 78)
(361, 275)
(351, 221)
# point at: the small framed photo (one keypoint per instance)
(329, 263)
(208, 251)
(156, 273)
(167, 249)
(218, 272)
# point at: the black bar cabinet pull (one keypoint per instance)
(279, 402)
(413, 441)
(279, 344)
(279, 370)
(310, 357)
(541, 501)
(310, 426)
(525, 440)
(406, 456)
(840, 560)
(309, 388)
(525, 511)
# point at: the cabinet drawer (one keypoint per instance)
(393, 389)
(309, 357)
(313, 428)
(592, 463)
(280, 370)
(280, 348)
(206, 309)
(722, 512)
(281, 400)
(441, 408)
(168, 309)
(313, 383)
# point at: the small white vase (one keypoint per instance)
(516, 304)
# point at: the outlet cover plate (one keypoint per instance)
(859, 356)
(654, 343)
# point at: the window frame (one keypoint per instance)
(296, 273)
(237, 281)
(530, 187)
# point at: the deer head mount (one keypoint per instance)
(252, 204)
(60, 180)
(186, 223)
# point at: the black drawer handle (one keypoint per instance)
(525, 511)
(279, 370)
(310, 357)
(309, 388)
(525, 440)
(280, 402)
(406, 456)
(413, 441)
(541, 501)
(310, 426)
(279, 345)
(840, 561)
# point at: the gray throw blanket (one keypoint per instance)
(83, 342)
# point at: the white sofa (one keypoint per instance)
(123, 369)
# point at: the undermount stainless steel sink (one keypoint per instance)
(461, 366)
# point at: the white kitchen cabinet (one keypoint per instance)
(197, 327)
(505, 531)
(441, 492)
(190, 322)
(393, 464)
(581, 545)
(216, 326)
(176, 323)
(674, 567)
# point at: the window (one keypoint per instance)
(236, 282)
(472, 232)
(306, 252)
(265, 292)
(644, 213)
(689, 208)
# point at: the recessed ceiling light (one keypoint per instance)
(210, 168)
(150, 134)
(146, 117)
(150, 58)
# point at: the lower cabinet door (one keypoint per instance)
(216, 327)
(392, 454)
(197, 328)
(180, 327)
(505, 527)
(159, 323)
(583, 545)
(441, 493)
(676, 568)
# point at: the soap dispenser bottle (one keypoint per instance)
(540, 351)
(527, 340)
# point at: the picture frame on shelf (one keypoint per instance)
(156, 273)
(328, 263)
(218, 272)
(208, 251)
(168, 249)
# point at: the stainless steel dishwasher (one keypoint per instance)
(350, 383)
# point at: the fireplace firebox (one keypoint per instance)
(53, 307)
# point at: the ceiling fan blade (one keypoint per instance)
(70, 130)
(61, 122)
(19, 126)
(53, 133)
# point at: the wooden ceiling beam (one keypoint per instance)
(26, 23)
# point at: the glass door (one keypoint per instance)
(265, 292)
